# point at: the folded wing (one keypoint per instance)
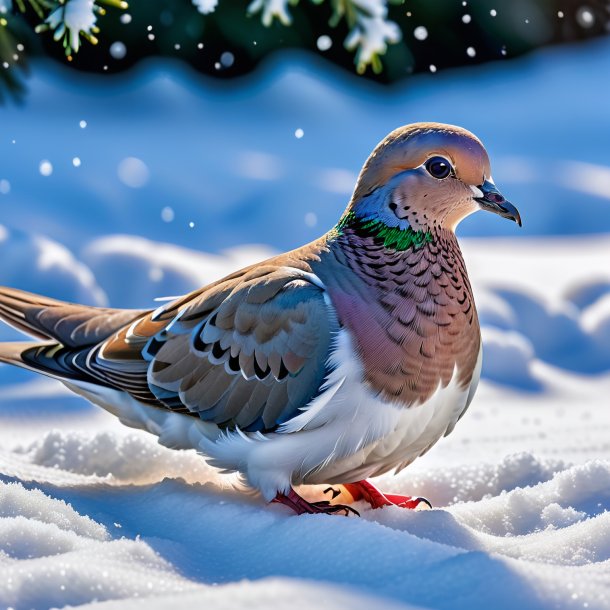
(249, 351)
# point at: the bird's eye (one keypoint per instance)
(438, 167)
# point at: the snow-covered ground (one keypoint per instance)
(96, 515)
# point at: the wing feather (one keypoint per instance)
(249, 351)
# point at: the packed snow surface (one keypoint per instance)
(94, 515)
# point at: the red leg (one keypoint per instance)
(301, 506)
(363, 490)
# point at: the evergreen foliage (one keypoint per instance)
(385, 40)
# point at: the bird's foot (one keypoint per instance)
(363, 490)
(301, 506)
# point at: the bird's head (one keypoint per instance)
(427, 175)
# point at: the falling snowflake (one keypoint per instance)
(167, 214)
(420, 32)
(118, 50)
(585, 17)
(227, 59)
(324, 43)
(311, 219)
(45, 167)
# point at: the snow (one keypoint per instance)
(420, 32)
(324, 42)
(205, 6)
(118, 50)
(95, 515)
(46, 168)
(75, 16)
(133, 172)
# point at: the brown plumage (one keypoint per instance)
(413, 317)
(390, 157)
(333, 362)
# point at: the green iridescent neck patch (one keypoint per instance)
(393, 238)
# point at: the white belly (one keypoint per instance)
(344, 435)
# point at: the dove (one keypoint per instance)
(330, 364)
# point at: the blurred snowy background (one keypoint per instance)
(120, 189)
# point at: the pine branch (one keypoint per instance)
(12, 62)
(69, 19)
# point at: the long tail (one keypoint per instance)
(10, 353)
(69, 324)
(66, 331)
(51, 359)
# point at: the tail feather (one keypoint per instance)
(12, 312)
(12, 353)
(48, 358)
(71, 336)
(71, 325)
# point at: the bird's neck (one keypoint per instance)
(385, 257)
(398, 239)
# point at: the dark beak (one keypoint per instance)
(493, 201)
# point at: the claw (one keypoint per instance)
(336, 508)
(301, 506)
(333, 491)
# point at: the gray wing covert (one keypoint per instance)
(251, 358)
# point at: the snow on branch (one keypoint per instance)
(272, 9)
(68, 19)
(205, 6)
(370, 29)
(371, 33)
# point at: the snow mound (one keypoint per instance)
(556, 332)
(42, 265)
(475, 482)
(508, 357)
(151, 269)
(51, 556)
(17, 502)
(526, 526)
(134, 457)
(588, 292)
(596, 319)
(267, 593)
(581, 491)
